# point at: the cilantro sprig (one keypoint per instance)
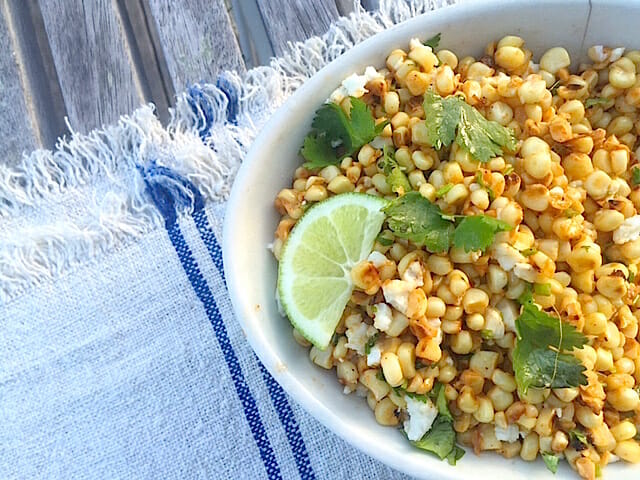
(551, 461)
(434, 41)
(336, 135)
(541, 358)
(635, 176)
(452, 119)
(415, 218)
(440, 440)
(592, 102)
(396, 178)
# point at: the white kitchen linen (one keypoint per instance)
(119, 353)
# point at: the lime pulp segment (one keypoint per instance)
(314, 275)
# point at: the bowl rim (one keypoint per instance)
(244, 310)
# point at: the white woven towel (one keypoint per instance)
(119, 353)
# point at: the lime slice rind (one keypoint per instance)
(327, 241)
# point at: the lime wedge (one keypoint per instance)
(314, 275)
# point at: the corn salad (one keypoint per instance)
(570, 192)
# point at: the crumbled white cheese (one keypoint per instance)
(377, 259)
(616, 53)
(509, 434)
(354, 85)
(507, 256)
(558, 412)
(414, 43)
(373, 358)
(613, 458)
(628, 231)
(421, 417)
(509, 313)
(525, 271)
(358, 335)
(413, 274)
(382, 317)
(396, 293)
(370, 73)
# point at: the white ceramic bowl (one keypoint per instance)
(251, 219)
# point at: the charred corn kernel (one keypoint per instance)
(500, 112)
(529, 450)
(554, 59)
(466, 401)
(604, 360)
(462, 343)
(595, 323)
(399, 323)
(445, 80)
(438, 264)
(424, 57)
(475, 321)
(429, 349)
(622, 73)
(322, 358)
(417, 82)
(559, 442)
(347, 373)
(447, 57)
(510, 57)
(532, 90)
(484, 362)
(400, 119)
(623, 399)
(485, 411)
(628, 450)
(608, 220)
(500, 399)
(597, 184)
(587, 417)
(436, 307)
(385, 412)
(315, 193)
(391, 103)
(379, 388)
(447, 374)
(504, 380)
(625, 430)
(475, 300)
(391, 369)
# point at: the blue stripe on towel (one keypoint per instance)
(203, 292)
(278, 397)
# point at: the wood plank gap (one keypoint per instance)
(45, 103)
(150, 68)
(251, 32)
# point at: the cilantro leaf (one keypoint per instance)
(451, 118)
(456, 454)
(434, 41)
(442, 191)
(477, 232)
(437, 395)
(635, 176)
(578, 440)
(527, 252)
(318, 152)
(417, 219)
(443, 116)
(370, 343)
(335, 134)
(396, 179)
(542, 289)
(539, 358)
(551, 461)
(439, 440)
(591, 102)
(385, 238)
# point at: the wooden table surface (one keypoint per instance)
(93, 60)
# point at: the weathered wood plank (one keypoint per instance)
(18, 124)
(196, 38)
(293, 20)
(93, 60)
(251, 33)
